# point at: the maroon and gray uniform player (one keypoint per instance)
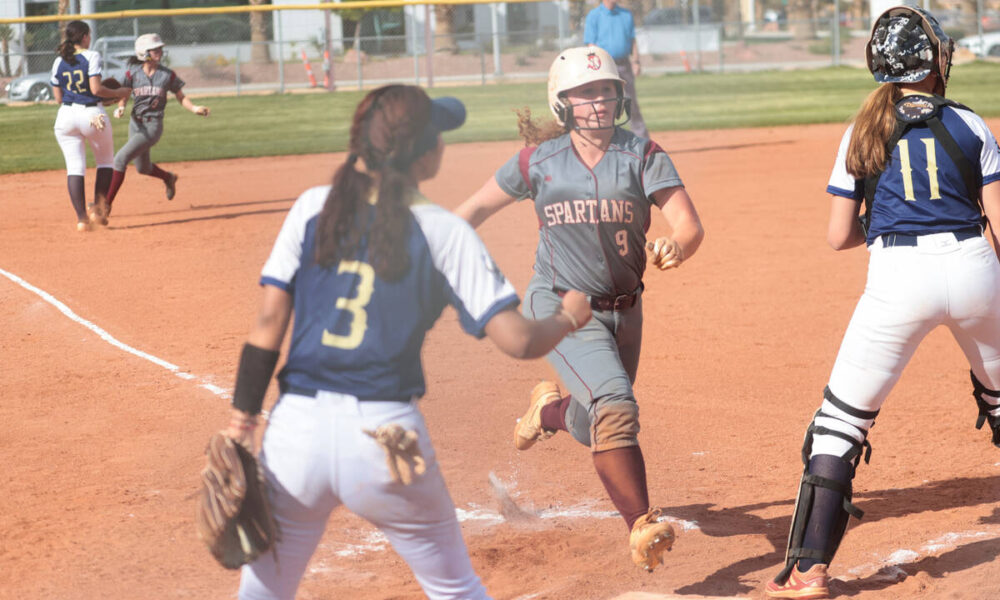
(150, 82)
(594, 186)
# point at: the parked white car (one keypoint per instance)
(35, 86)
(987, 44)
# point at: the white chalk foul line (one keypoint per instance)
(107, 337)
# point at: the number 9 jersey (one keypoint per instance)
(358, 334)
(921, 190)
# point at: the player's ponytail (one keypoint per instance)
(873, 126)
(384, 134)
(534, 133)
(72, 36)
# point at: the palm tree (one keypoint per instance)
(6, 35)
(444, 28)
(802, 19)
(260, 51)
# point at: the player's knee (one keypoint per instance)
(615, 425)
(839, 429)
(988, 402)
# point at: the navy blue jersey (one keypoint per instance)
(921, 190)
(358, 334)
(74, 78)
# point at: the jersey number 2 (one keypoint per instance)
(79, 81)
(907, 171)
(356, 306)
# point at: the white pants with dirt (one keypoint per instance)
(910, 291)
(74, 131)
(317, 457)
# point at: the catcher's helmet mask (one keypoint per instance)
(906, 45)
(575, 67)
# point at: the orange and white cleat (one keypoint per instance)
(529, 427)
(814, 584)
(649, 539)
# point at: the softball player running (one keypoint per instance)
(150, 82)
(367, 265)
(76, 84)
(594, 185)
(926, 168)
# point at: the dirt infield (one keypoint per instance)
(102, 444)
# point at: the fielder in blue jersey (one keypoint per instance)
(81, 120)
(594, 186)
(366, 265)
(925, 168)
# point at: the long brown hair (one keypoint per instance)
(387, 126)
(873, 126)
(72, 36)
(535, 132)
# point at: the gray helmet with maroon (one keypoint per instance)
(907, 44)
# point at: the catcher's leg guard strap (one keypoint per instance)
(848, 432)
(988, 402)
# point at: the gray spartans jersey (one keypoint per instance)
(592, 222)
(149, 94)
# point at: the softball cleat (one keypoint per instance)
(171, 183)
(529, 427)
(97, 213)
(814, 584)
(649, 539)
(82, 226)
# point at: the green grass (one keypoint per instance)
(312, 123)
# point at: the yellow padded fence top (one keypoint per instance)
(364, 4)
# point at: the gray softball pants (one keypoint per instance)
(597, 363)
(142, 135)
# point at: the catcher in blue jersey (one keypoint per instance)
(367, 265)
(594, 186)
(926, 169)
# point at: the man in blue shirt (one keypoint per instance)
(611, 27)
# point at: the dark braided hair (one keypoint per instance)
(385, 134)
(72, 36)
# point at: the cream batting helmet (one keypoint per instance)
(146, 42)
(575, 67)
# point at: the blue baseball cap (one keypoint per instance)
(447, 113)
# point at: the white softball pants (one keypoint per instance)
(316, 458)
(910, 291)
(73, 131)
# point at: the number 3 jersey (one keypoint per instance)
(921, 190)
(358, 334)
(592, 221)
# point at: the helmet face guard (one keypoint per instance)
(907, 44)
(579, 66)
(623, 107)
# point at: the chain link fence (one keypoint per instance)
(286, 50)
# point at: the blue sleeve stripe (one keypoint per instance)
(836, 191)
(284, 285)
(991, 178)
(478, 328)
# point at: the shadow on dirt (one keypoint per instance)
(877, 505)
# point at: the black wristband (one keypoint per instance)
(256, 367)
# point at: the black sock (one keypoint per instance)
(827, 504)
(77, 196)
(103, 184)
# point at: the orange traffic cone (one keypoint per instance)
(309, 70)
